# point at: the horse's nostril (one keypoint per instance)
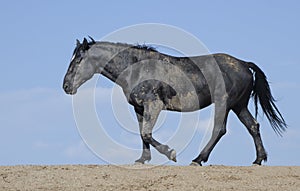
(66, 86)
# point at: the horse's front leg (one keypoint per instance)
(146, 154)
(150, 115)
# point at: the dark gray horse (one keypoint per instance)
(152, 81)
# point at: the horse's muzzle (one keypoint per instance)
(69, 89)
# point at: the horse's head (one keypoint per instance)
(80, 69)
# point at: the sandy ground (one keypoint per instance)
(146, 177)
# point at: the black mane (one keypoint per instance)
(145, 47)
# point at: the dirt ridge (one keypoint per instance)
(147, 177)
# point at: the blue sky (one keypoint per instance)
(38, 37)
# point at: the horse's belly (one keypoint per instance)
(188, 102)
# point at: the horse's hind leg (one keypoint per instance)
(150, 115)
(253, 127)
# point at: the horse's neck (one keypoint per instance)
(114, 60)
(103, 56)
(117, 58)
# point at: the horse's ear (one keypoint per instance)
(77, 42)
(93, 41)
(85, 44)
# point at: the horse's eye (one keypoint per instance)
(77, 60)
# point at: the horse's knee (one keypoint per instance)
(147, 137)
(222, 131)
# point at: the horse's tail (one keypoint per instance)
(262, 92)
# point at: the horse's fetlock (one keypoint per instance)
(163, 148)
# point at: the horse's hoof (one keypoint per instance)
(195, 164)
(255, 164)
(173, 155)
(138, 163)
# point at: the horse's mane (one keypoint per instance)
(135, 46)
(145, 47)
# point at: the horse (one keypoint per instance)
(153, 81)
